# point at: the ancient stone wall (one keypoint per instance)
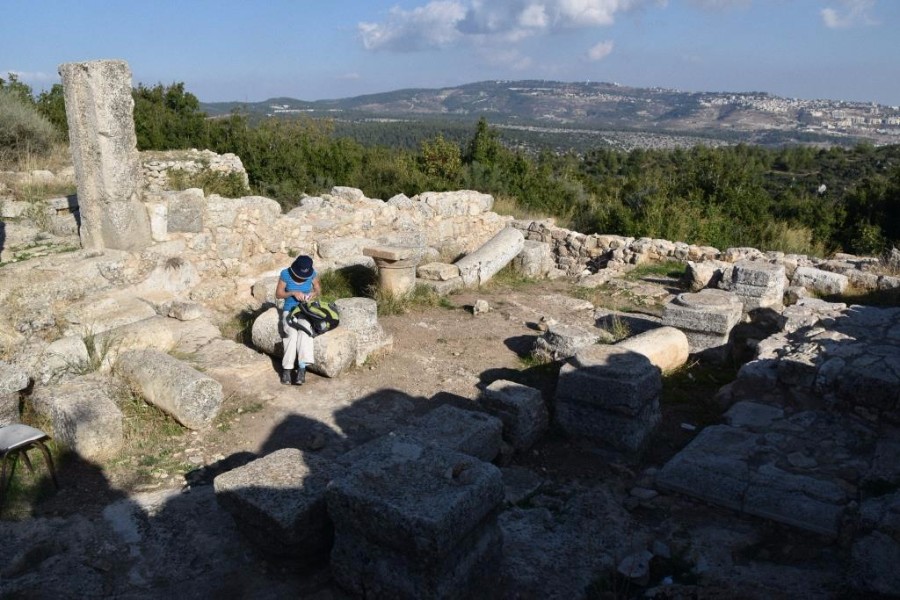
(156, 166)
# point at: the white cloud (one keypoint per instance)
(442, 23)
(852, 13)
(600, 51)
(720, 4)
(431, 26)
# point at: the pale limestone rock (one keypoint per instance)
(665, 347)
(99, 107)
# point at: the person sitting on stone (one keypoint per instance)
(298, 283)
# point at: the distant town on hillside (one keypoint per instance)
(609, 114)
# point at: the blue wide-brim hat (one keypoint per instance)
(301, 268)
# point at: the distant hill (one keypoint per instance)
(587, 108)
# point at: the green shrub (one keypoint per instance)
(229, 185)
(23, 130)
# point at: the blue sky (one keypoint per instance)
(315, 49)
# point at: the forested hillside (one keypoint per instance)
(795, 199)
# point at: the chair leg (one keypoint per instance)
(24, 453)
(4, 480)
(49, 460)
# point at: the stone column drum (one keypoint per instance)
(100, 111)
(706, 318)
(396, 267)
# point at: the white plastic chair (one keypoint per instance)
(15, 441)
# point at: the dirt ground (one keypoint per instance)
(440, 355)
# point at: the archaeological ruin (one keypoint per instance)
(532, 448)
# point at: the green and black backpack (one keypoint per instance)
(321, 319)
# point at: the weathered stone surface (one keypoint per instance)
(360, 315)
(562, 341)
(186, 210)
(479, 266)
(456, 204)
(667, 348)
(335, 351)
(12, 381)
(609, 395)
(610, 377)
(875, 560)
(278, 501)
(186, 311)
(753, 416)
(416, 521)
(738, 468)
(474, 433)
(437, 271)
(521, 409)
(819, 281)
(99, 108)
(394, 253)
(193, 398)
(12, 378)
(535, 260)
(63, 358)
(158, 333)
(104, 312)
(699, 275)
(443, 288)
(758, 284)
(706, 318)
(84, 415)
(342, 248)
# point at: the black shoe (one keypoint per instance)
(286, 376)
(299, 377)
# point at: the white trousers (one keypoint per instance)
(298, 345)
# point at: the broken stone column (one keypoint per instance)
(334, 351)
(416, 521)
(396, 267)
(193, 398)
(100, 111)
(665, 347)
(609, 395)
(706, 318)
(479, 266)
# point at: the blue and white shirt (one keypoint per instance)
(292, 286)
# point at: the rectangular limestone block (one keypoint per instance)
(474, 433)
(522, 410)
(469, 570)
(392, 252)
(611, 378)
(437, 271)
(707, 311)
(418, 500)
(278, 501)
(84, 415)
(186, 210)
(443, 287)
(620, 432)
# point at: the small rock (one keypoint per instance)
(661, 549)
(636, 567)
(546, 323)
(480, 307)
